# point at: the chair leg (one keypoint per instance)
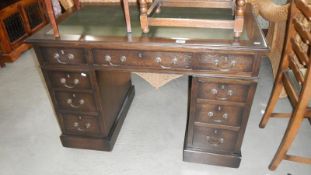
(277, 89)
(143, 16)
(288, 138)
(127, 16)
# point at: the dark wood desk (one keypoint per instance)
(87, 71)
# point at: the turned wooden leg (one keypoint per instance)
(50, 11)
(239, 18)
(127, 15)
(143, 16)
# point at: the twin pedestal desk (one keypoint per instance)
(87, 71)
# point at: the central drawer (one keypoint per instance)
(142, 59)
(83, 102)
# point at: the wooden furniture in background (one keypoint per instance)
(147, 19)
(295, 76)
(87, 72)
(18, 19)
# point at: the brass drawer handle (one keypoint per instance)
(123, 59)
(214, 117)
(71, 103)
(62, 58)
(57, 57)
(71, 85)
(159, 61)
(225, 116)
(108, 60)
(227, 65)
(140, 55)
(70, 56)
(216, 93)
(215, 140)
(77, 126)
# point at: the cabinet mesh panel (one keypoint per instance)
(34, 15)
(14, 27)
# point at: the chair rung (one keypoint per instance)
(288, 115)
(281, 115)
(298, 159)
(294, 67)
(198, 23)
(302, 57)
(198, 3)
(304, 35)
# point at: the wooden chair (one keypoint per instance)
(53, 22)
(147, 20)
(294, 75)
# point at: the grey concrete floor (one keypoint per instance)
(150, 142)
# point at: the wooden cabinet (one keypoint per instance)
(18, 19)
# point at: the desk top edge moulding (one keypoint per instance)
(88, 54)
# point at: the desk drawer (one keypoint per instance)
(75, 101)
(156, 60)
(74, 56)
(223, 63)
(211, 89)
(214, 139)
(219, 114)
(69, 80)
(80, 124)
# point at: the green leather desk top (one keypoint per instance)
(106, 24)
